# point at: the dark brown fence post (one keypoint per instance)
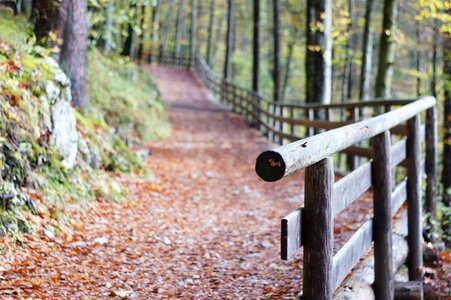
(382, 230)
(352, 115)
(280, 127)
(431, 162)
(291, 117)
(415, 259)
(318, 250)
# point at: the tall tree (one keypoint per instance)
(130, 41)
(319, 51)
(166, 25)
(386, 50)
(194, 6)
(446, 175)
(347, 71)
(229, 40)
(107, 46)
(210, 32)
(418, 58)
(286, 77)
(154, 26)
(142, 26)
(179, 27)
(276, 33)
(75, 49)
(256, 49)
(367, 53)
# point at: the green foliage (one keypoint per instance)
(123, 97)
(126, 98)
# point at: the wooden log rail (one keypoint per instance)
(365, 136)
(311, 226)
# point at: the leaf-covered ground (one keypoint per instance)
(205, 228)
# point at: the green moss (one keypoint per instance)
(127, 97)
(125, 106)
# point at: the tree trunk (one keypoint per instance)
(276, 75)
(130, 41)
(346, 92)
(194, 7)
(418, 59)
(319, 51)
(107, 47)
(142, 35)
(179, 28)
(256, 49)
(153, 23)
(287, 70)
(74, 50)
(365, 74)
(434, 61)
(446, 176)
(386, 50)
(210, 32)
(229, 40)
(166, 24)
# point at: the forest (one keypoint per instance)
(131, 132)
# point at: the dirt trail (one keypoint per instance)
(206, 228)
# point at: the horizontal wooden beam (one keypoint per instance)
(351, 187)
(272, 165)
(291, 234)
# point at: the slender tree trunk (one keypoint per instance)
(446, 176)
(26, 7)
(287, 70)
(142, 36)
(107, 47)
(166, 24)
(74, 50)
(229, 40)
(194, 6)
(319, 51)
(154, 24)
(179, 28)
(386, 50)
(256, 49)
(130, 41)
(418, 59)
(210, 32)
(365, 73)
(346, 92)
(276, 15)
(434, 61)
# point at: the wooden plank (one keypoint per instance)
(409, 290)
(349, 188)
(414, 199)
(431, 161)
(399, 196)
(291, 234)
(318, 250)
(398, 153)
(383, 267)
(303, 153)
(349, 255)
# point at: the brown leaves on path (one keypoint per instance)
(206, 228)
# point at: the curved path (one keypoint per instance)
(205, 228)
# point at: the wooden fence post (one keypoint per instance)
(415, 259)
(352, 115)
(431, 162)
(318, 250)
(382, 230)
(281, 111)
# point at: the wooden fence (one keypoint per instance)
(362, 132)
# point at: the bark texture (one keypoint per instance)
(367, 51)
(386, 50)
(74, 50)
(319, 51)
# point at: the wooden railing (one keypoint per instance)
(362, 132)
